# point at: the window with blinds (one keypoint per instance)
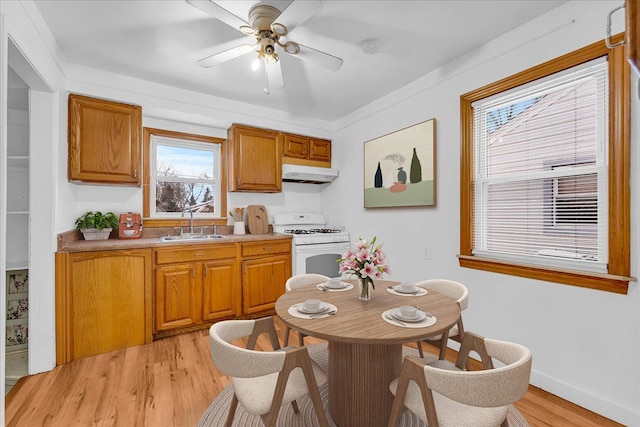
(540, 171)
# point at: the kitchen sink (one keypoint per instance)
(190, 236)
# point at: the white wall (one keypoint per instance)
(585, 343)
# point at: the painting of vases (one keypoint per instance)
(399, 168)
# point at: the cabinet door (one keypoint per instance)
(103, 302)
(320, 150)
(177, 296)
(263, 282)
(296, 146)
(220, 290)
(255, 162)
(105, 140)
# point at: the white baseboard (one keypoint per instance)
(629, 417)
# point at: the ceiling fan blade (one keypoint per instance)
(226, 55)
(273, 73)
(218, 12)
(323, 59)
(298, 12)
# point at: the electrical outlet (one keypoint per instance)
(427, 252)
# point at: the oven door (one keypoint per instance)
(319, 258)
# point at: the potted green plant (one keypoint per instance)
(96, 225)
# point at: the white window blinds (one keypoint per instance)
(540, 183)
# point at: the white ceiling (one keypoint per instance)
(160, 41)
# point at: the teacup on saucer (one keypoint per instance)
(406, 288)
(311, 304)
(334, 283)
(408, 312)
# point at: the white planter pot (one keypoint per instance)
(95, 234)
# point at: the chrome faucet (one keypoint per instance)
(190, 209)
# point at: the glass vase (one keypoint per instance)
(365, 290)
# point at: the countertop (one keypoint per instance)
(72, 241)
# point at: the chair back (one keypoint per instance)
(300, 280)
(489, 388)
(237, 361)
(450, 288)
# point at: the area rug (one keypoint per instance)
(216, 413)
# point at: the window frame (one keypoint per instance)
(619, 224)
(147, 193)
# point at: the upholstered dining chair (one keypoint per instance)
(299, 281)
(263, 381)
(443, 394)
(454, 290)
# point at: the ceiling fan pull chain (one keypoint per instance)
(266, 80)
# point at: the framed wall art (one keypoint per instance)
(400, 169)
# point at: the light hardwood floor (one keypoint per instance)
(172, 381)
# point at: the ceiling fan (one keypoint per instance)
(264, 36)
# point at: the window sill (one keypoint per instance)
(584, 279)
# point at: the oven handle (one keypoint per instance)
(322, 247)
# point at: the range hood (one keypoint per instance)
(308, 174)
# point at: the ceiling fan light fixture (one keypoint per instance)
(291, 47)
(271, 59)
(279, 29)
(250, 31)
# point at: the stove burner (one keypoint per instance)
(313, 231)
(326, 230)
(299, 231)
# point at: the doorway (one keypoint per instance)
(27, 211)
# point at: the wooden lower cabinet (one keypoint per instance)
(265, 269)
(113, 299)
(103, 302)
(176, 296)
(195, 285)
(220, 290)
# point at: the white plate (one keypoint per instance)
(341, 285)
(323, 307)
(420, 316)
(397, 288)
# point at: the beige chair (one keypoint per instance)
(442, 394)
(454, 290)
(299, 281)
(263, 381)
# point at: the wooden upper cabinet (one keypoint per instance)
(320, 149)
(296, 146)
(304, 150)
(255, 159)
(105, 141)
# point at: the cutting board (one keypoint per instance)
(257, 219)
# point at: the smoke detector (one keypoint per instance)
(370, 46)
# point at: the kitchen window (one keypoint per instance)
(545, 172)
(184, 174)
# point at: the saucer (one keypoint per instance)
(420, 316)
(302, 309)
(399, 289)
(341, 285)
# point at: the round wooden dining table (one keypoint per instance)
(365, 351)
